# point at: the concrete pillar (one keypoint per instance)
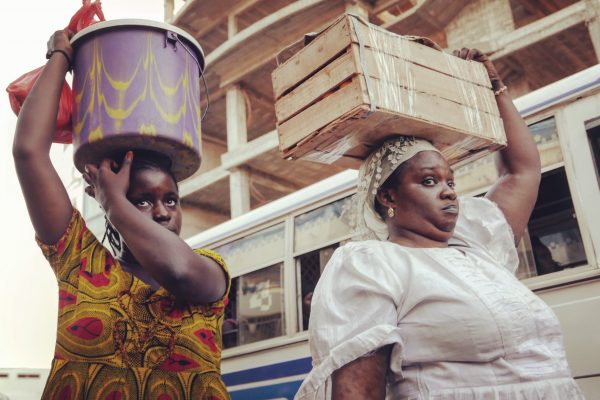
(237, 135)
(169, 10)
(593, 24)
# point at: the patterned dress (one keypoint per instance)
(118, 339)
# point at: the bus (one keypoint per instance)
(277, 252)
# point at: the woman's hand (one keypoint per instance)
(477, 55)
(60, 42)
(107, 181)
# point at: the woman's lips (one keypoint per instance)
(451, 209)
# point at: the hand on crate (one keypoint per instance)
(477, 55)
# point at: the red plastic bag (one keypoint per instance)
(84, 17)
(20, 88)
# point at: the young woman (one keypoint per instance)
(145, 324)
(431, 309)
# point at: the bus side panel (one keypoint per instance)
(577, 307)
(275, 373)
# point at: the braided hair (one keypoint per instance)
(142, 160)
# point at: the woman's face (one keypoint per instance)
(155, 194)
(424, 201)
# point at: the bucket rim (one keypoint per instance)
(125, 22)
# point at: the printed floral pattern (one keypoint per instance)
(120, 339)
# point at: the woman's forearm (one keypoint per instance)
(37, 118)
(521, 155)
(165, 256)
(363, 378)
(516, 190)
(47, 200)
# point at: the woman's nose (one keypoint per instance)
(448, 192)
(160, 212)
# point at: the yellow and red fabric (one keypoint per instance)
(118, 338)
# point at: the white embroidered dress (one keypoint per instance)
(462, 326)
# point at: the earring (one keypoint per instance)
(390, 212)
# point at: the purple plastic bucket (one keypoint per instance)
(136, 85)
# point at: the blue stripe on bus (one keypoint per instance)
(285, 390)
(271, 371)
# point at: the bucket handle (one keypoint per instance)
(174, 37)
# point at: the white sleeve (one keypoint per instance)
(482, 224)
(353, 313)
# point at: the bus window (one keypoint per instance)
(322, 225)
(553, 242)
(259, 305)
(256, 249)
(594, 135)
(313, 229)
(477, 176)
(230, 321)
(310, 266)
(255, 308)
(545, 135)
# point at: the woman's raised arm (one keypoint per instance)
(47, 200)
(516, 190)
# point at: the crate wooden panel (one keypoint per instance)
(383, 67)
(355, 85)
(343, 123)
(347, 30)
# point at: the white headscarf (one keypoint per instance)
(374, 171)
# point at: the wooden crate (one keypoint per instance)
(356, 84)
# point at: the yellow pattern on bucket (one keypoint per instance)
(148, 129)
(187, 139)
(96, 134)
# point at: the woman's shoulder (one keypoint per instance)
(482, 224)
(379, 254)
(478, 214)
(374, 246)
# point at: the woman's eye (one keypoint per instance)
(142, 203)
(429, 182)
(171, 202)
(451, 184)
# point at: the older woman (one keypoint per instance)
(430, 307)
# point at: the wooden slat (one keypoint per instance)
(440, 120)
(312, 57)
(388, 69)
(351, 29)
(428, 57)
(338, 71)
(437, 110)
(322, 113)
(399, 72)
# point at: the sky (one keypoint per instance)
(28, 290)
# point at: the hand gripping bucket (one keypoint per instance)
(136, 86)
